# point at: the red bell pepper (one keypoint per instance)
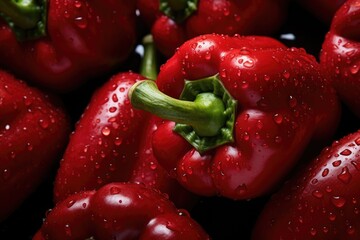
(172, 22)
(119, 211)
(109, 143)
(321, 202)
(324, 10)
(340, 54)
(61, 44)
(249, 107)
(33, 132)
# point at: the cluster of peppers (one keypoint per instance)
(229, 114)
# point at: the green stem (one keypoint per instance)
(177, 5)
(148, 65)
(23, 13)
(27, 18)
(205, 114)
(178, 10)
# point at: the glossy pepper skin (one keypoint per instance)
(209, 16)
(33, 133)
(84, 39)
(280, 93)
(324, 10)
(340, 54)
(110, 144)
(321, 202)
(119, 211)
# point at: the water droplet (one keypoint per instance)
(44, 123)
(7, 126)
(314, 181)
(332, 216)
(278, 118)
(317, 194)
(354, 69)
(207, 55)
(292, 102)
(68, 230)
(114, 190)
(77, 4)
(278, 139)
(105, 131)
(66, 14)
(338, 201)
(112, 109)
(70, 203)
(350, 230)
(328, 189)
(27, 101)
(171, 226)
(345, 175)
(246, 136)
(244, 51)
(249, 63)
(244, 84)
(6, 174)
(223, 73)
(183, 212)
(266, 77)
(355, 165)
(286, 74)
(346, 152)
(114, 98)
(259, 124)
(81, 22)
(153, 166)
(313, 231)
(357, 141)
(118, 141)
(241, 189)
(336, 163)
(325, 172)
(29, 147)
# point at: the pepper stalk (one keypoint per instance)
(204, 115)
(178, 10)
(148, 64)
(27, 18)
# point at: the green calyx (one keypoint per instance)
(204, 115)
(178, 10)
(27, 18)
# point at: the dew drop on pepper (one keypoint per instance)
(6, 174)
(70, 203)
(77, 4)
(345, 152)
(106, 131)
(114, 190)
(81, 22)
(336, 163)
(345, 176)
(325, 172)
(313, 232)
(68, 230)
(278, 118)
(338, 201)
(317, 194)
(332, 216)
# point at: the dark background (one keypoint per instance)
(221, 218)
